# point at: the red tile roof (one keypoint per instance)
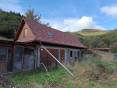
(51, 35)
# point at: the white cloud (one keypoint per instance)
(110, 10)
(75, 24)
(11, 5)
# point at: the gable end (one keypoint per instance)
(26, 34)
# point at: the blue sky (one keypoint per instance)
(69, 15)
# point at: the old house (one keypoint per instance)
(28, 52)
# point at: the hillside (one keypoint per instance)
(91, 32)
(98, 39)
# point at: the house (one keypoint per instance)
(28, 52)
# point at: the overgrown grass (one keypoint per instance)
(96, 73)
(87, 74)
(39, 77)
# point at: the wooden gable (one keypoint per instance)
(26, 34)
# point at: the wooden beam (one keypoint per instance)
(59, 54)
(38, 56)
(13, 57)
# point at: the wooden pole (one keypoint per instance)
(58, 61)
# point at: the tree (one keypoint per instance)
(30, 14)
(98, 43)
(9, 22)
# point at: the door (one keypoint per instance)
(29, 59)
(18, 55)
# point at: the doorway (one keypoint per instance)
(29, 59)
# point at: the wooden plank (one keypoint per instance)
(62, 55)
(38, 56)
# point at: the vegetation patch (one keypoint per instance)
(38, 77)
(93, 72)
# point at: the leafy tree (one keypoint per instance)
(30, 14)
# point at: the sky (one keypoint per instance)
(69, 15)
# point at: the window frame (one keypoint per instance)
(5, 53)
(71, 53)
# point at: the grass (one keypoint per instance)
(37, 77)
(1, 86)
(85, 76)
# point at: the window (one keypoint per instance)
(50, 34)
(3, 53)
(78, 54)
(71, 53)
